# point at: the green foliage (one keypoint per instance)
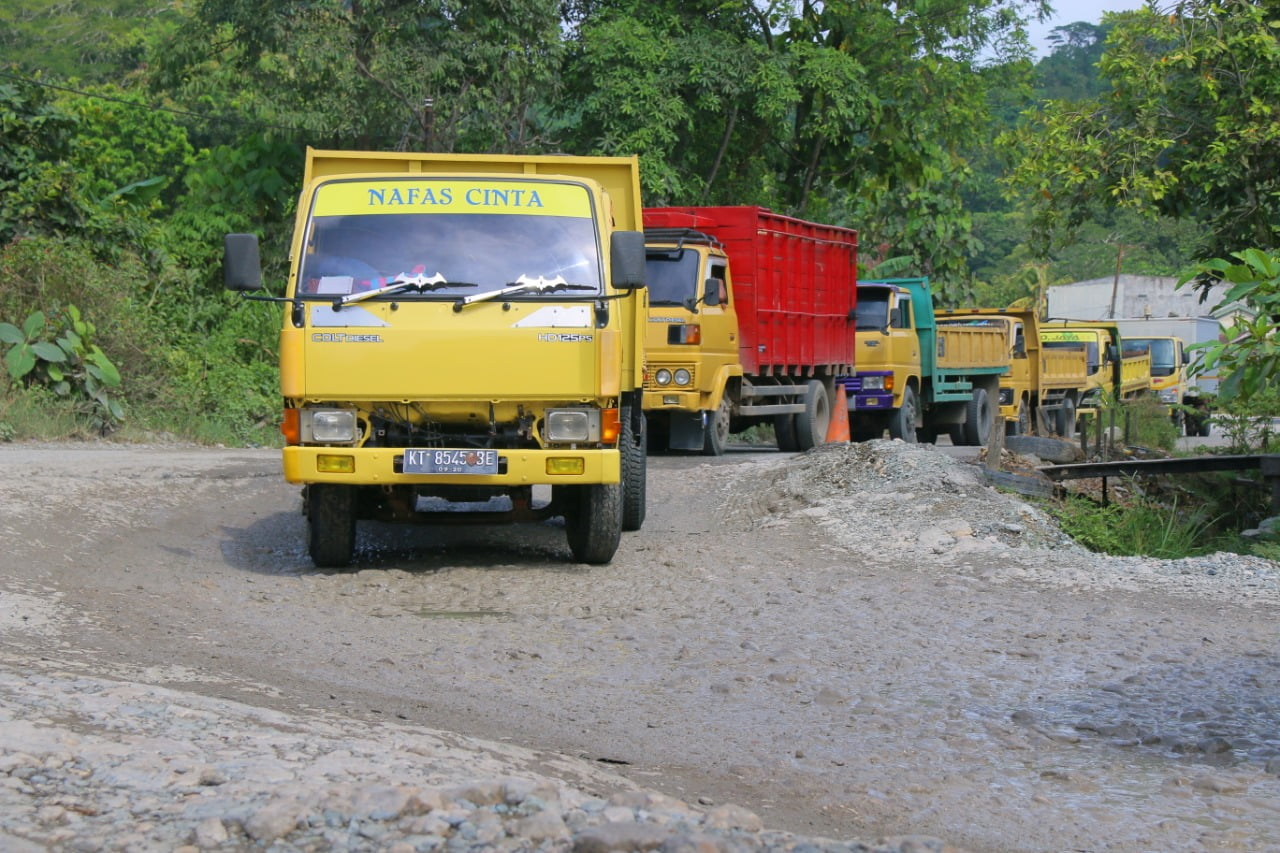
(60, 354)
(85, 39)
(1188, 128)
(1140, 529)
(39, 193)
(1149, 424)
(441, 75)
(225, 381)
(126, 153)
(1249, 357)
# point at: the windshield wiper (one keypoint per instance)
(420, 282)
(523, 284)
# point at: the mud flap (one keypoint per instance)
(688, 431)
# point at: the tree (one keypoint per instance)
(381, 74)
(1189, 128)
(853, 111)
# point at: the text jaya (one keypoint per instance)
(443, 196)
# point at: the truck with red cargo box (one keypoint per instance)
(751, 321)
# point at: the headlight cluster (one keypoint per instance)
(873, 383)
(572, 425)
(665, 377)
(1169, 395)
(328, 426)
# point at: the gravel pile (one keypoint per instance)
(888, 501)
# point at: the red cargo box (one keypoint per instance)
(794, 282)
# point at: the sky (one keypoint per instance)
(1070, 11)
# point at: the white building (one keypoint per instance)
(1132, 297)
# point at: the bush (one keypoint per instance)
(1142, 528)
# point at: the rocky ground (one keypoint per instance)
(862, 647)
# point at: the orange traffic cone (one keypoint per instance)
(838, 429)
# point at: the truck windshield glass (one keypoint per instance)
(1163, 362)
(363, 236)
(672, 277)
(873, 309)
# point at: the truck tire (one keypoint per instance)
(593, 521)
(977, 420)
(717, 435)
(1066, 423)
(784, 430)
(331, 524)
(635, 464)
(1022, 426)
(812, 425)
(902, 423)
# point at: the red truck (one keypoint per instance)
(751, 320)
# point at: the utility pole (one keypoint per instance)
(1115, 284)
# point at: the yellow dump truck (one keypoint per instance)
(1114, 372)
(459, 331)
(918, 378)
(1044, 385)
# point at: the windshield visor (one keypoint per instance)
(467, 235)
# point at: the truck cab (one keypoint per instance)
(918, 378)
(692, 337)
(1113, 372)
(888, 361)
(1169, 361)
(459, 330)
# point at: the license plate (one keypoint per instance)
(443, 461)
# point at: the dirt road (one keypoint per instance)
(852, 643)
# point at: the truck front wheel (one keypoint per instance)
(1067, 418)
(331, 524)
(902, 423)
(717, 435)
(593, 521)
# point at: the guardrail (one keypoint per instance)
(1268, 464)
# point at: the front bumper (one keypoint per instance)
(379, 466)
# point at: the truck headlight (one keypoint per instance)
(662, 377)
(682, 377)
(572, 425)
(328, 426)
(873, 383)
(1169, 395)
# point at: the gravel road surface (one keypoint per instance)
(861, 647)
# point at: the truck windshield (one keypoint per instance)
(473, 234)
(672, 277)
(872, 312)
(1163, 360)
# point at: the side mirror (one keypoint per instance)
(626, 259)
(241, 265)
(895, 318)
(1186, 357)
(1113, 352)
(711, 291)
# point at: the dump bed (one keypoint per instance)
(794, 284)
(1047, 369)
(965, 348)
